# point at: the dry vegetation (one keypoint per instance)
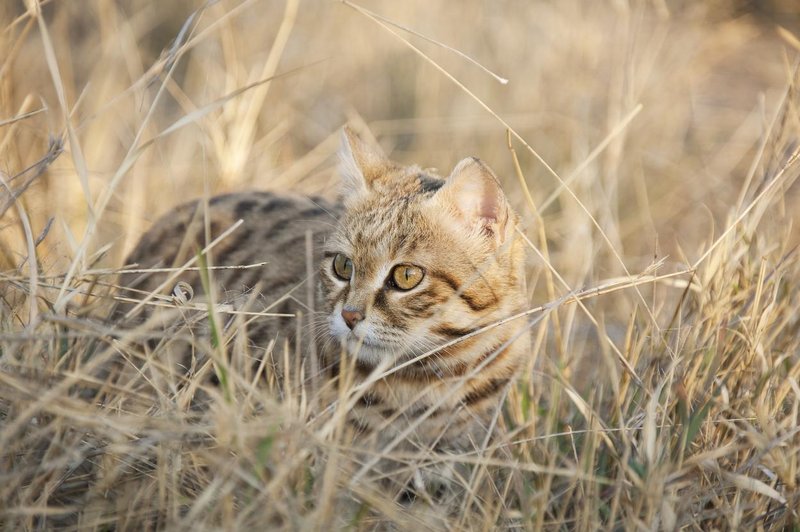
(663, 146)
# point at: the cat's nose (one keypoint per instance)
(351, 317)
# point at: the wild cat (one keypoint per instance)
(410, 272)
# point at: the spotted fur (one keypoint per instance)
(460, 231)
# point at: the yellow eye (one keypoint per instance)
(342, 267)
(407, 276)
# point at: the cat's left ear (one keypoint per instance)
(360, 163)
(473, 194)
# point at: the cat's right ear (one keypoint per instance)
(359, 164)
(472, 195)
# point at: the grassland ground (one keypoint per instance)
(651, 149)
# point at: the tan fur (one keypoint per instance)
(460, 231)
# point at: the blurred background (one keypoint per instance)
(150, 91)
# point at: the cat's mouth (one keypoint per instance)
(366, 349)
(354, 341)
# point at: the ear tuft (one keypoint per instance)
(473, 193)
(359, 163)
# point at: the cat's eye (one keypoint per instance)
(342, 267)
(406, 276)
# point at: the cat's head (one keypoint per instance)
(417, 260)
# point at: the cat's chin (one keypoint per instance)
(366, 350)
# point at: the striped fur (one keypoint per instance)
(460, 231)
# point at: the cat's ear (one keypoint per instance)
(473, 194)
(360, 163)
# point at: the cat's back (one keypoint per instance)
(266, 248)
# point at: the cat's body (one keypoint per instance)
(410, 268)
(274, 229)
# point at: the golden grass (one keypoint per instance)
(651, 150)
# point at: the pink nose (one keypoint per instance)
(351, 317)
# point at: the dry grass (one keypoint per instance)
(661, 138)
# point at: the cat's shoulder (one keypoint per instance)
(267, 203)
(262, 218)
(250, 206)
